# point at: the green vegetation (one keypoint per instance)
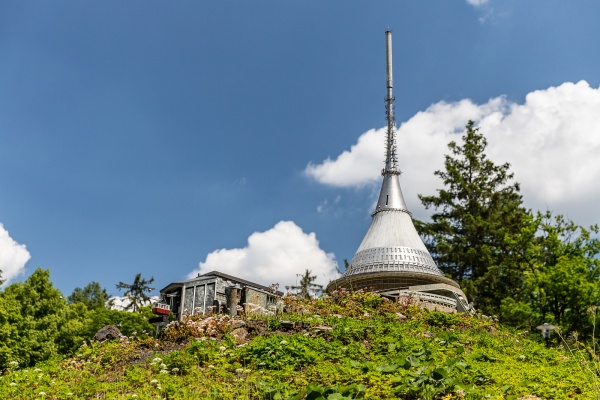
(136, 292)
(347, 346)
(93, 296)
(525, 267)
(307, 284)
(37, 323)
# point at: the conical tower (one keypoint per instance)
(392, 258)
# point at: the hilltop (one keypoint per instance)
(349, 345)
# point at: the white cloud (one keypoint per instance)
(477, 3)
(273, 256)
(552, 141)
(13, 256)
(121, 302)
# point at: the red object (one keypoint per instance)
(162, 309)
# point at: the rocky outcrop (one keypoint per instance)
(109, 332)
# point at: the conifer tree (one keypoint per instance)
(307, 284)
(136, 292)
(92, 295)
(477, 214)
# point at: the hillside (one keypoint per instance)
(350, 345)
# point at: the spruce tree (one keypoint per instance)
(477, 214)
(136, 292)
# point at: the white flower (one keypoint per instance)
(37, 370)
(153, 382)
(283, 342)
(222, 349)
(175, 369)
(13, 364)
(13, 384)
(156, 360)
(164, 371)
(42, 394)
(211, 366)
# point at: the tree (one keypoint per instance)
(1, 280)
(136, 292)
(307, 284)
(36, 315)
(478, 213)
(561, 278)
(92, 295)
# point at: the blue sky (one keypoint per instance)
(175, 137)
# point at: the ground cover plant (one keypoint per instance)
(345, 346)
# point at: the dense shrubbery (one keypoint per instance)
(370, 348)
(37, 323)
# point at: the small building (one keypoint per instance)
(208, 293)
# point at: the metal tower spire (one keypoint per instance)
(392, 258)
(390, 197)
(391, 159)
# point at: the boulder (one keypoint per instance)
(109, 332)
(240, 334)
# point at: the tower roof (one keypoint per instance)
(392, 244)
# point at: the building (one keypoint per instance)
(217, 292)
(392, 258)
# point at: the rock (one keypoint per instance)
(429, 334)
(238, 324)
(401, 317)
(240, 334)
(109, 332)
(287, 325)
(322, 328)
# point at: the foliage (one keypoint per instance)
(477, 212)
(427, 355)
(136, 292)
(560, 276)
(92, 295)
(307, 284)
(35, 314)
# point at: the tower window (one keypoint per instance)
(386, 199)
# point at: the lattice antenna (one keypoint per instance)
(391, 158)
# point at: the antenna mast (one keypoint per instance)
(391, 159)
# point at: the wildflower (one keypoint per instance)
(163, 366)
(211, 366)
(13, 364)
(13, 384)
(222, 349)
(164, 371)
(156, 360)
(283, 342)
(175, 370)
(239, 370)
(153, 382)
(42, 394)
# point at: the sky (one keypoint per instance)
(172, 138)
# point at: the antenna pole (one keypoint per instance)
(391, 159)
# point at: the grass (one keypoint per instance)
(372, 349)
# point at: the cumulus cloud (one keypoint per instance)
(13, 256)
(477, 3)
(273, 256)
(121, 302)
(552, 142)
